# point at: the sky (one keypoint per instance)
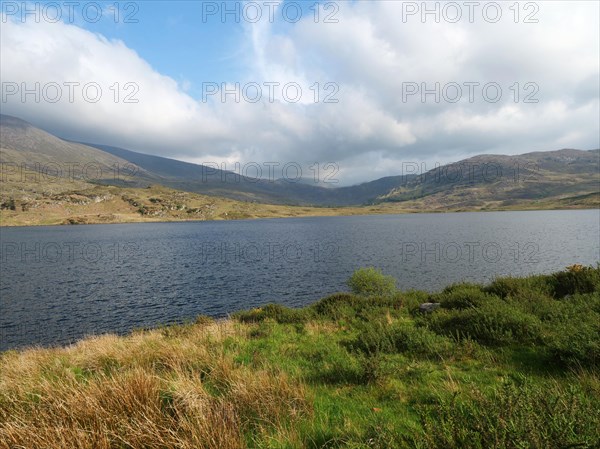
(369, 86)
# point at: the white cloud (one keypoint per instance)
(369, 54)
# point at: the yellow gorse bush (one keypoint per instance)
(575, 268)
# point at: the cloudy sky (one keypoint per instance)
(367, 85)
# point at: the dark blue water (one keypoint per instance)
(60, 283)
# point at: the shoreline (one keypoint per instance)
(243, 314)
(358, 213)
(500, 364)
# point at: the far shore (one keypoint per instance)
(10, 220)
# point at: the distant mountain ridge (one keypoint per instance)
(24, 145)
(208, 180)
(529, 176)
(467, 183)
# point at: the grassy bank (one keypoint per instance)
(513, 364)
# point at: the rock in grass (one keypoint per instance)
(428, 307)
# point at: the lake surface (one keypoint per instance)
(60, 283)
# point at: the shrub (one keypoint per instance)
(511, 286)
(541, 305)
(420, 341)
(576, 279)
(348, 307)
(371, 281)
(412, 299)
(371, 369)
(379, 337)
(461, 296)
(577, 344)
(276, 312)
(374, 337)
(337, 306)
(9, 204)
(495, 323)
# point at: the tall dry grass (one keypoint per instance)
(172, 388)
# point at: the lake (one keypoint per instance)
(60, 283)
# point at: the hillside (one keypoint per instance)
(210, 181)
(24, 147)
(470, 183)
(506, 180)
(47, 180)
(512, 364)
(22, 143)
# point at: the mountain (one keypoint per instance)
(481, 179)
(564, 177)
(45, 180)
(25, 148)
(211, 181)
(470, 182)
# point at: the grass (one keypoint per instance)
(513, 364)
(85, 203)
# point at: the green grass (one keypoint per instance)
(513, 364)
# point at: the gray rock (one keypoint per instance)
(428, 307)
